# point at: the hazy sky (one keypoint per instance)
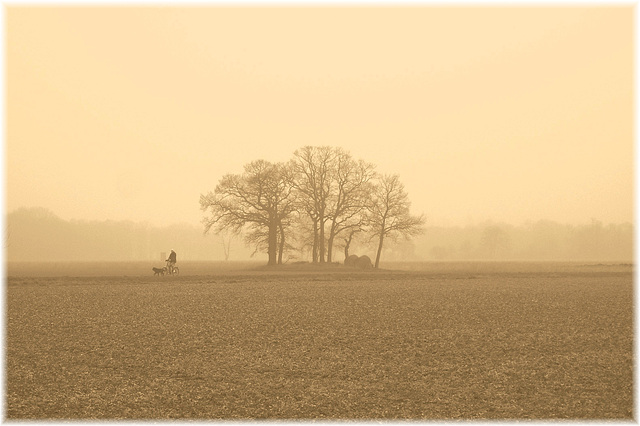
(508, 113)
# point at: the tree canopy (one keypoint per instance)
(318, 200)
(258, 202)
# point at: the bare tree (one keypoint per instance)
(311, 168)
(352, 194)
(390, 216)
(258, 237)
(226, 245)
(323, 190)
(333, 190)
(353, 234)
(347, 242)
(258, 201)
(304, 236)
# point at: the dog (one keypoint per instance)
(159, 271)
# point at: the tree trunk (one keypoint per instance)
(273, 244)
(379, 248)
(329, 247)
(281, 248)
(332, 236)
(322, 247)
(347, 242)
(314, 254)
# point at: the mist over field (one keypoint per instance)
(39, 235)
(379, 213)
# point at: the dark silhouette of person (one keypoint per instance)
(172, 259)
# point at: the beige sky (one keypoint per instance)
(508, 113)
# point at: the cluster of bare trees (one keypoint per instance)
(320, 200)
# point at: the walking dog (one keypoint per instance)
(159, 271)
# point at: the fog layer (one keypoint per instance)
(39, 235)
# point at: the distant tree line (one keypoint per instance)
(37, 234)
(540, 240)
(317, 202)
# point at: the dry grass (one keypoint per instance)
(463, 342)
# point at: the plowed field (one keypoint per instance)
(439, 341)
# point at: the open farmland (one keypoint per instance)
(433, 341)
